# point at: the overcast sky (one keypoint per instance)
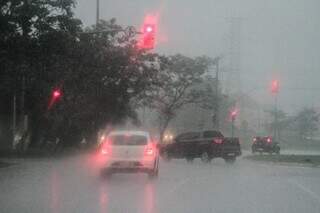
(278, 39)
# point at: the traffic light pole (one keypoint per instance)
(232, 127)
(98, 12)
(275, 131)
(217, 124)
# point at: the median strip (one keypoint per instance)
(310, 160)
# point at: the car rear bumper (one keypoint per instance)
(130, 165)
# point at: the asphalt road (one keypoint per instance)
(72, 185)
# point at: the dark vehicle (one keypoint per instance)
(265, 144)
(205, 145)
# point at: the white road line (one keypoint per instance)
(305, 189)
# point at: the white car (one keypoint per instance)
(128, 152)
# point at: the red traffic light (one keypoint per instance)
(275, 86)
(149, 28)
(234, 114)
(56, 93)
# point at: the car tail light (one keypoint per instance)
(149, 151)
(254, 140)
(269, 140)
(104, 151)
(217, 140)
(105, 148)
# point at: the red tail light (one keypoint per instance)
(269, 140)
(149, 151)
(104, 151)
(105, 148)
(254, 140)
(217, 140)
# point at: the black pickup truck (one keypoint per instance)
(205, 145)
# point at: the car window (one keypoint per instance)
(124, 140)
(211, 134)
(188, 136)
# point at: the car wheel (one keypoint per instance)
(230, 160)
(189, 159)
(166, 156)
(153, 174)
(105, 173)
(205, 157)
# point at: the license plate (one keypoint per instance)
(126, 164)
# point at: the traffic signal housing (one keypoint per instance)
(148, 33)
(275, 86)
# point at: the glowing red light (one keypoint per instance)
(104, 151)
(149, 151)
(217, 140)
(254, 139)
(234, 114)
(56, 94)
(147, 39)
(269, 140)
(275, 86)
(149, 29)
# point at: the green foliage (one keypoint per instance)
(306, 122)
(99, 71)
(177, 80)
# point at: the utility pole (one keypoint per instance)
(275, 133)
(216, 107)
(217, 95)
(98, 13)
(14, 118)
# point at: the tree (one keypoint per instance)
(177, 80)
(306, 122)
(99, 70)
(283, 122)
(23, 23)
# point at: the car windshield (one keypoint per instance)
(160, 106)
(127, 140)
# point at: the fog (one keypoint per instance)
(275, 39)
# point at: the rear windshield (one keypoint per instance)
(212, 134)
(125, 140)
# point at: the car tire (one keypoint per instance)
(153, 174)
(230, 160)
(105, 173)
(189, 159)
(205, 157)
(165, 156)
(155, 171)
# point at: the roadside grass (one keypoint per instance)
(310, 160)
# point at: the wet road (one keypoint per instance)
(72, 185)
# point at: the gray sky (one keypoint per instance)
(279, 38)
